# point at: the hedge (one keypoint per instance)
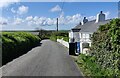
(104, 59)
(106, 48)
(15, 44)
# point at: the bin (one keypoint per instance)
(72, 49)
(77, 48)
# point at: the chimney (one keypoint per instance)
(85, 20)
(100, 17)
(80, 23)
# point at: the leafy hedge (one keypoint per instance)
(89, 67)
(106, 48)
(15, 44)
(59, 35)
(105, 52)
(0, 49)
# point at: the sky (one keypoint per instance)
(42, 15)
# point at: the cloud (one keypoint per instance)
(29, 18)
(91, 18)
(6, 3)
(107, 14)
(3, 21)
(63, 20)
(57, 8)
(18, 21)
(13, 10)
(22, 10)
(45, 21)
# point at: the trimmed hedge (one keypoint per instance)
(15, 44)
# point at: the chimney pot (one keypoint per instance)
(100, 17)
(85, 20)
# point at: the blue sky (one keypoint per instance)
(32, 15)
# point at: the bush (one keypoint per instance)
(106, 47)
(59, 35)
(15, 44)
(105, 52)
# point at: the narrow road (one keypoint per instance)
(49, 59)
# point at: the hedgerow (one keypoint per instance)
(15, 44)
(104, 59)
(106, 47)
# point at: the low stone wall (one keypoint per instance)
(65, 43)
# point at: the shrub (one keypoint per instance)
(15, 44)
(106, 47)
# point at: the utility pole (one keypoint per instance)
(57, 24)
(57, 29)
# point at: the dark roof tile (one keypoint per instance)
(91, 26)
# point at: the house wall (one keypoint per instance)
(82, 37)
(76, 36)
(70, 36)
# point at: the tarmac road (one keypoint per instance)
(49, 59)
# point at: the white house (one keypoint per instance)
(83, 32)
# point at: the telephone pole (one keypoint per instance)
(57, 30)
(57, 24)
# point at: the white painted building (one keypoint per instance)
(83, 32)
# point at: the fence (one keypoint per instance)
(66, 44)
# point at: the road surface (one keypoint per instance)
(49, 59)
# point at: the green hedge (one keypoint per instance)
(106, 47)
(15, 44)
(64, 38)
(59, 35)
(104, 60)
(91, 69)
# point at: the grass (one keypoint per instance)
(90, 69)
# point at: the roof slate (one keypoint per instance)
(91, 26)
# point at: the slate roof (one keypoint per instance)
(91, 26)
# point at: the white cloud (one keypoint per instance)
(3, 21)
(45, 21)
(57, 8)
(18, 21)
(75, 19)
(92, 18)
(36, 18)
(107, 14)
(29, 18)
(13, 10)
(63, 20)
(5, 3)
(22, 10)
(62, 14)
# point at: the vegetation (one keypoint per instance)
(0, 50)
(15, 44)
(89, 67)
(105, 51)
(44, 34)
(60, 35)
